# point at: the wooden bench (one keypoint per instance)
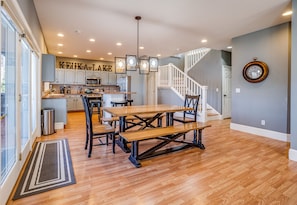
(167, 135)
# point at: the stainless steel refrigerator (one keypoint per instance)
(124, 82)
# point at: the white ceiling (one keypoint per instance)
(168, 27)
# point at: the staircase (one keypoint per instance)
(172, 77)
(193, 57)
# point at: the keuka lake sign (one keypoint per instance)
(65, 63)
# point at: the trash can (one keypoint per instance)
(48, 121)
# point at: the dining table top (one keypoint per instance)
(143, 109)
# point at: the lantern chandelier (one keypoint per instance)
(133, 62)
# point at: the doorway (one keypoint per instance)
(226, 91)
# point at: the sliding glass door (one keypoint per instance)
(25, 94)
(8, 97)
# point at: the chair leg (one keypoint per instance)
(87, 137)
(91, 145)
(113, 142)
(107, 136)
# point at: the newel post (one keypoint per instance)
(204, 103)
(170, 74)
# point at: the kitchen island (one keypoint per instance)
(116, 96)
(57, 102)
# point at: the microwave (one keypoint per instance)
(93, 81)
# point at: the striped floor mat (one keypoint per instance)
(49, 167)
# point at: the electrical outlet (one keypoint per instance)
(263, 122)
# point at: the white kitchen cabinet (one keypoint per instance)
(74, 103)
(112, 78)
(70, 75)
(104, 78)
(73, 76)
(60, 76)
(89, 74)
(80, 77)
(79, 103)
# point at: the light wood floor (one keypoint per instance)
(235, 168)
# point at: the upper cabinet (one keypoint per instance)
(60, 76)
(112, 78)
(48, 67)
(75, 71)
(75, 76)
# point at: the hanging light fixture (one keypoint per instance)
(133, 62)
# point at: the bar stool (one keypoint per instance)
(129, 101)
(121, 103)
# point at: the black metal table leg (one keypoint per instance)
(121, 142)
(169, 119)
(134, 154)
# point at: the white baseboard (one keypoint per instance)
(262, 132)
(293, 154)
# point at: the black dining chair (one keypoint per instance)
(96, 131)
(96, 103)
(187, 116)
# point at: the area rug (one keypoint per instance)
(49, 167)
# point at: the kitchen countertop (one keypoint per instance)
(53, 96)
(57, 95)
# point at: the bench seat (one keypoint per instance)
(167, 135)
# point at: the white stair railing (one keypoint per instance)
(194, 56)
(171, 76)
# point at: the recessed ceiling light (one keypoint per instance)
(92, 40)
(229, 47)
(158, 55)
(88, 51)
(109, 53)
(77, 31)
(203, 41)
(60, 52)
(287, 13)
(60, 44)
(101, 59)
(60, 34)
(141, 47)
(75, 56)
(119, 44)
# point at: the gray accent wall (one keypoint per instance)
(267, 100)
(208, 72)
(168, 96)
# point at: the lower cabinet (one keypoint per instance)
(74, 103)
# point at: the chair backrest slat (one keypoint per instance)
(191, 101)
(87, 113)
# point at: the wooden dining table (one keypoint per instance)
(138, 111)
